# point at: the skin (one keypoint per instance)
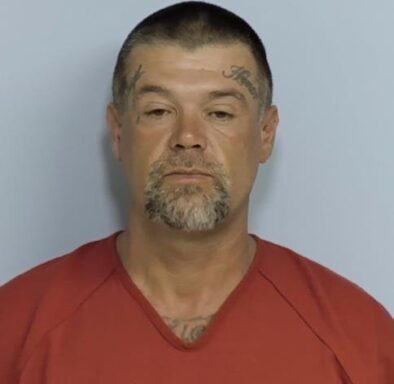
(187, 275)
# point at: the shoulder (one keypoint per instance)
(354, 325)
(36, 301)
(32, 285)
(289, 268)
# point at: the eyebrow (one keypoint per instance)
(228, 93)
(150, 88)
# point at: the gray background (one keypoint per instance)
(327, 192)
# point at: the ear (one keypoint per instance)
(268, 126)
(114, 123)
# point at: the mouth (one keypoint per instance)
(188, 176)
(188, 173)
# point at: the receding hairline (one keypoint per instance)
(161, 42)
(193, 24)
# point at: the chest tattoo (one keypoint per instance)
(189, 330)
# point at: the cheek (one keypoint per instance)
(139, 148)
(243, 158)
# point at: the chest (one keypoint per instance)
(253, 339)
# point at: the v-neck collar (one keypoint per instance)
(155, 317)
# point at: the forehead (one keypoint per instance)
(172, 61)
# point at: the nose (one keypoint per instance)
(188, 133)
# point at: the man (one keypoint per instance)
(184, 294)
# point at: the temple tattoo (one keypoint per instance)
(188, 330)
(241, 76)
(133, 81)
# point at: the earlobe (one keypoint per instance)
(115, 126)
(268, 128)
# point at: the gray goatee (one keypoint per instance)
(187, 207)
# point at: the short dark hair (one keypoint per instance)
(192, 24)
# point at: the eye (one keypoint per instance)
(157, 113)
(221, 115)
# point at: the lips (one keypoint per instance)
(188, 172)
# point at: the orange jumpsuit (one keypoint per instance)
(80, 319)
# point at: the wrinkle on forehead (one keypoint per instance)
(224, 92)
(197, 70)
(210, 58)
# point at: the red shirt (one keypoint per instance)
(80, 318)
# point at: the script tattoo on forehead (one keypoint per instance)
(134, 79)
(241, 76)
(132, 84)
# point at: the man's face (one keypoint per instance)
(192, 112)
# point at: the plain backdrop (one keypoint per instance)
(327, 192)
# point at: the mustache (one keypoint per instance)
(166, 165)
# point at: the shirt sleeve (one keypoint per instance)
(384, 326)
(14, 326)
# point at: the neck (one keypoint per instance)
(185, 273)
